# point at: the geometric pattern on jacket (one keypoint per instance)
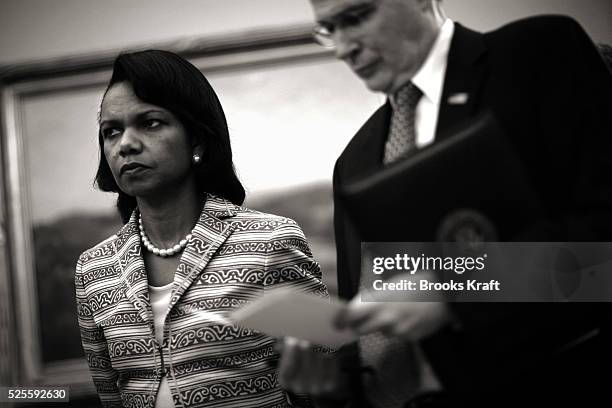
(234, 256)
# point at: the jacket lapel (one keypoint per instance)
(464, 76)
(367, 146)
(131, 264)
(209, 234)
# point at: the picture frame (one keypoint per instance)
(30, 314)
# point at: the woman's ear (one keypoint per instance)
(199, 150)
(198, 154)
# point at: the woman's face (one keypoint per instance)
(146, 146)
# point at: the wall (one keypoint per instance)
(38, 29)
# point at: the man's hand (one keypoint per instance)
(405, 320)
(304, 370)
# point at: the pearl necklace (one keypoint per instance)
(161, 252)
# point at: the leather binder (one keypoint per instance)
(469, 185)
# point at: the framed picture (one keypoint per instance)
(291, 110)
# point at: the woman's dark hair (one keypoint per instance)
(167, 80)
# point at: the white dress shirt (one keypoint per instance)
(430, 80)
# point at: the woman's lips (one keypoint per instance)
(132, 168)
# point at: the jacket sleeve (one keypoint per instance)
(574, 87)
(592, 186)
(577, 87)
(95, 348)
(289, 261)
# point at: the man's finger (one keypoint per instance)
(358, 312)
(303, 382)
(330, 373)
(380, 322)
(404, 329)
(290, 362)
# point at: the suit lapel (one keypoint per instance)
(464, 76)
(465, 73)
(131, 264)
(209, 234)
(368, 145)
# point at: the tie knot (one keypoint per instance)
(407, 97)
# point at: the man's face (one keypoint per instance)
(384, 42)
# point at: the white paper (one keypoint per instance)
(284, 312)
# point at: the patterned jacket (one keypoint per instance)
(234, 256)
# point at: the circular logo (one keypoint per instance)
(466, 226)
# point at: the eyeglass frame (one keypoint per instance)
(323, 32)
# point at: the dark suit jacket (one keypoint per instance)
(551, 92)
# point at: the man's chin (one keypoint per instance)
(377, 84)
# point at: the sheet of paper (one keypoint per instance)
(284, 312)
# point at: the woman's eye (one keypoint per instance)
(110, 132)
(152, 123)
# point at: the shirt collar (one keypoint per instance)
(430, 77)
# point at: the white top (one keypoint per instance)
(430, 80)
(160, 299)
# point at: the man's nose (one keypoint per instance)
(346, 46)
(130, 142)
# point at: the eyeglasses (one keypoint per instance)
(323, 36)
(323, 33)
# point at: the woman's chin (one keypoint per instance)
(141, 190)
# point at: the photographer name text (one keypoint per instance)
(475, 285)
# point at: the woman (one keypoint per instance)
(152, 298)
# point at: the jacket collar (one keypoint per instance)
(209, 233)
(463, 80)
(367, 145)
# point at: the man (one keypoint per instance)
(606, 52)
(550, 91)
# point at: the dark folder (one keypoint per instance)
(471, 182)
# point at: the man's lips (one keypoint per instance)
(131, 167)
(365, 70)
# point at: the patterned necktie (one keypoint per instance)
(392, 375)
(402, 131)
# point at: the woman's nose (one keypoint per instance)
(130, 142)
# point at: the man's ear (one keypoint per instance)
(426, 5)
